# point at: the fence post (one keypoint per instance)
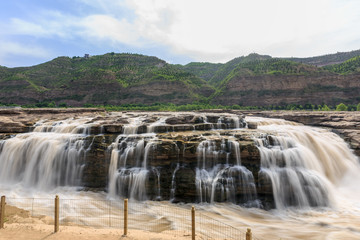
(248, 234)
(109, 213)
(2, 212)
(193, 223)
(125, 216)
(56, 225)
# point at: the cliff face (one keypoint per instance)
(267, 90)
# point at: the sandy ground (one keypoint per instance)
(20, 225)
(43, 231)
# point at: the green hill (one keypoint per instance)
(204, 70)
(228, 67)
(275, 66)
(280, 82)
(272, 67)
(328, 59)
(117, 79)
(104, 79)
(348, 67)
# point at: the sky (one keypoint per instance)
(177, 31)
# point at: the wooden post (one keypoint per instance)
(125, 217)
(56, 222)
(193, 223)
(248, 234)
(2, 212)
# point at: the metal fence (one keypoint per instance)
(152, 216)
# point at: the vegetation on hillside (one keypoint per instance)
(115, 79)
(204, 70)
(126, 69)
(274, 66)
(194, 106)
(101, 76)
(328, 59)
(228, 67)
(348, 67)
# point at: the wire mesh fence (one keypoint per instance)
(158, 217)
(35, 207)
(215, 229)
(147, 216)
(94, 213)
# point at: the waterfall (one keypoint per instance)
(173, 183)
(128, 171)
(74, 126)
(219, 122)
(158, 184)
(299, 167)
(51, 156)
(132, 127)
(151, 127)
(219, 180)
(303, 164)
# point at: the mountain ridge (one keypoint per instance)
(116, 79)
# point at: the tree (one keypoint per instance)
(341, 107)
(325, 108)
(358, 107)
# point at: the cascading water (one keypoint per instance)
(303, 164)
(50, 156)
(231, 122)
(305, 167)
(128, 171)
(217, 179)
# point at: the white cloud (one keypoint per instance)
(48, 24)
(207, 30)
(8, 49)
(102, 27)
(221, 30)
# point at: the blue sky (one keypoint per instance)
(178, 31)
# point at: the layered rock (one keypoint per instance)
(269, 89)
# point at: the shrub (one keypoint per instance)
(341, 107)
(325, 108)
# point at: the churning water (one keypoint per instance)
(315, 177)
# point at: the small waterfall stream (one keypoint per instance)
(217, 179)
(128, 169)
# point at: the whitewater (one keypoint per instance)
(315, 179)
